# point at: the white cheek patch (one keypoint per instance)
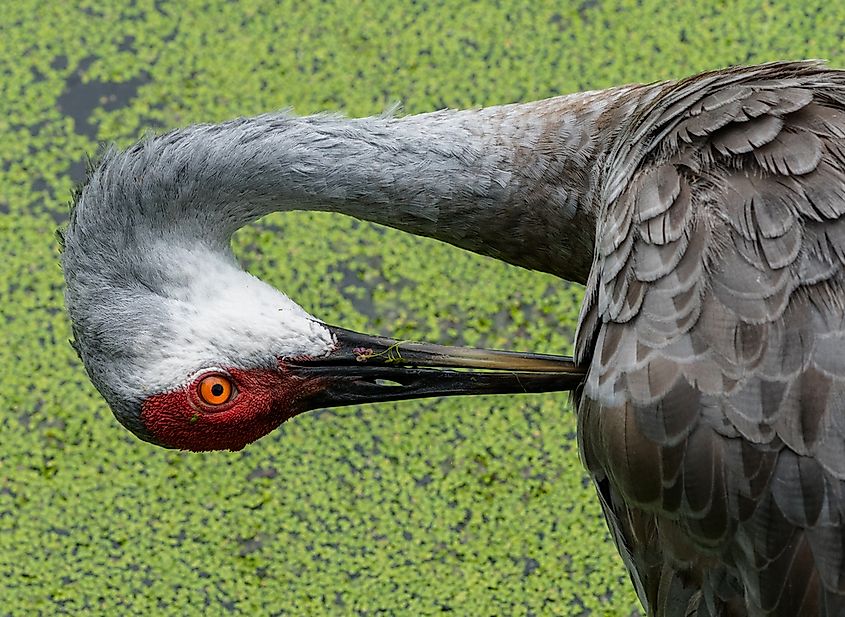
(222, 316)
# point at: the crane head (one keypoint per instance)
(192, 352)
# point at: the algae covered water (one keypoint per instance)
(473, 506)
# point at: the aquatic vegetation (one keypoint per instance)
(477, 506)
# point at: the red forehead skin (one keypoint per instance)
(265, 399)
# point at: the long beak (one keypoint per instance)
(370, 369)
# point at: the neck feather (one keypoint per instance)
(516, 182)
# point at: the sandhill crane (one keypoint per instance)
(706, 217)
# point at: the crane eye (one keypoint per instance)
(216, 389)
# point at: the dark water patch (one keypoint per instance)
(262, 472)
(253, 544)
(59, 63)
(51, 204)
(37, 76)
(357, 290)
(529, 565)
(34, 128)
(40, 184)
(127, 44)
(91, 12)
(586, 6)
(79, 99)
(77, 170)
(60, 216)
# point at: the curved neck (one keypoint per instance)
(515, 182)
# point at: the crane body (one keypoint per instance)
(705, 216)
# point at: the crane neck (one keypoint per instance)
(515, 182)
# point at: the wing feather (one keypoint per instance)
(714, 325)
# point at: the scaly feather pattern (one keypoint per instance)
(713, 414)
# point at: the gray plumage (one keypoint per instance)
(712, 414)
(707, 219)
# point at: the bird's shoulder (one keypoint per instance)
(714, 322)
(726, 176)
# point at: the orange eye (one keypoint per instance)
(216, 389)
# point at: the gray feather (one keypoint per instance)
(741, 311)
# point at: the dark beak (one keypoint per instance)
(371, 369)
